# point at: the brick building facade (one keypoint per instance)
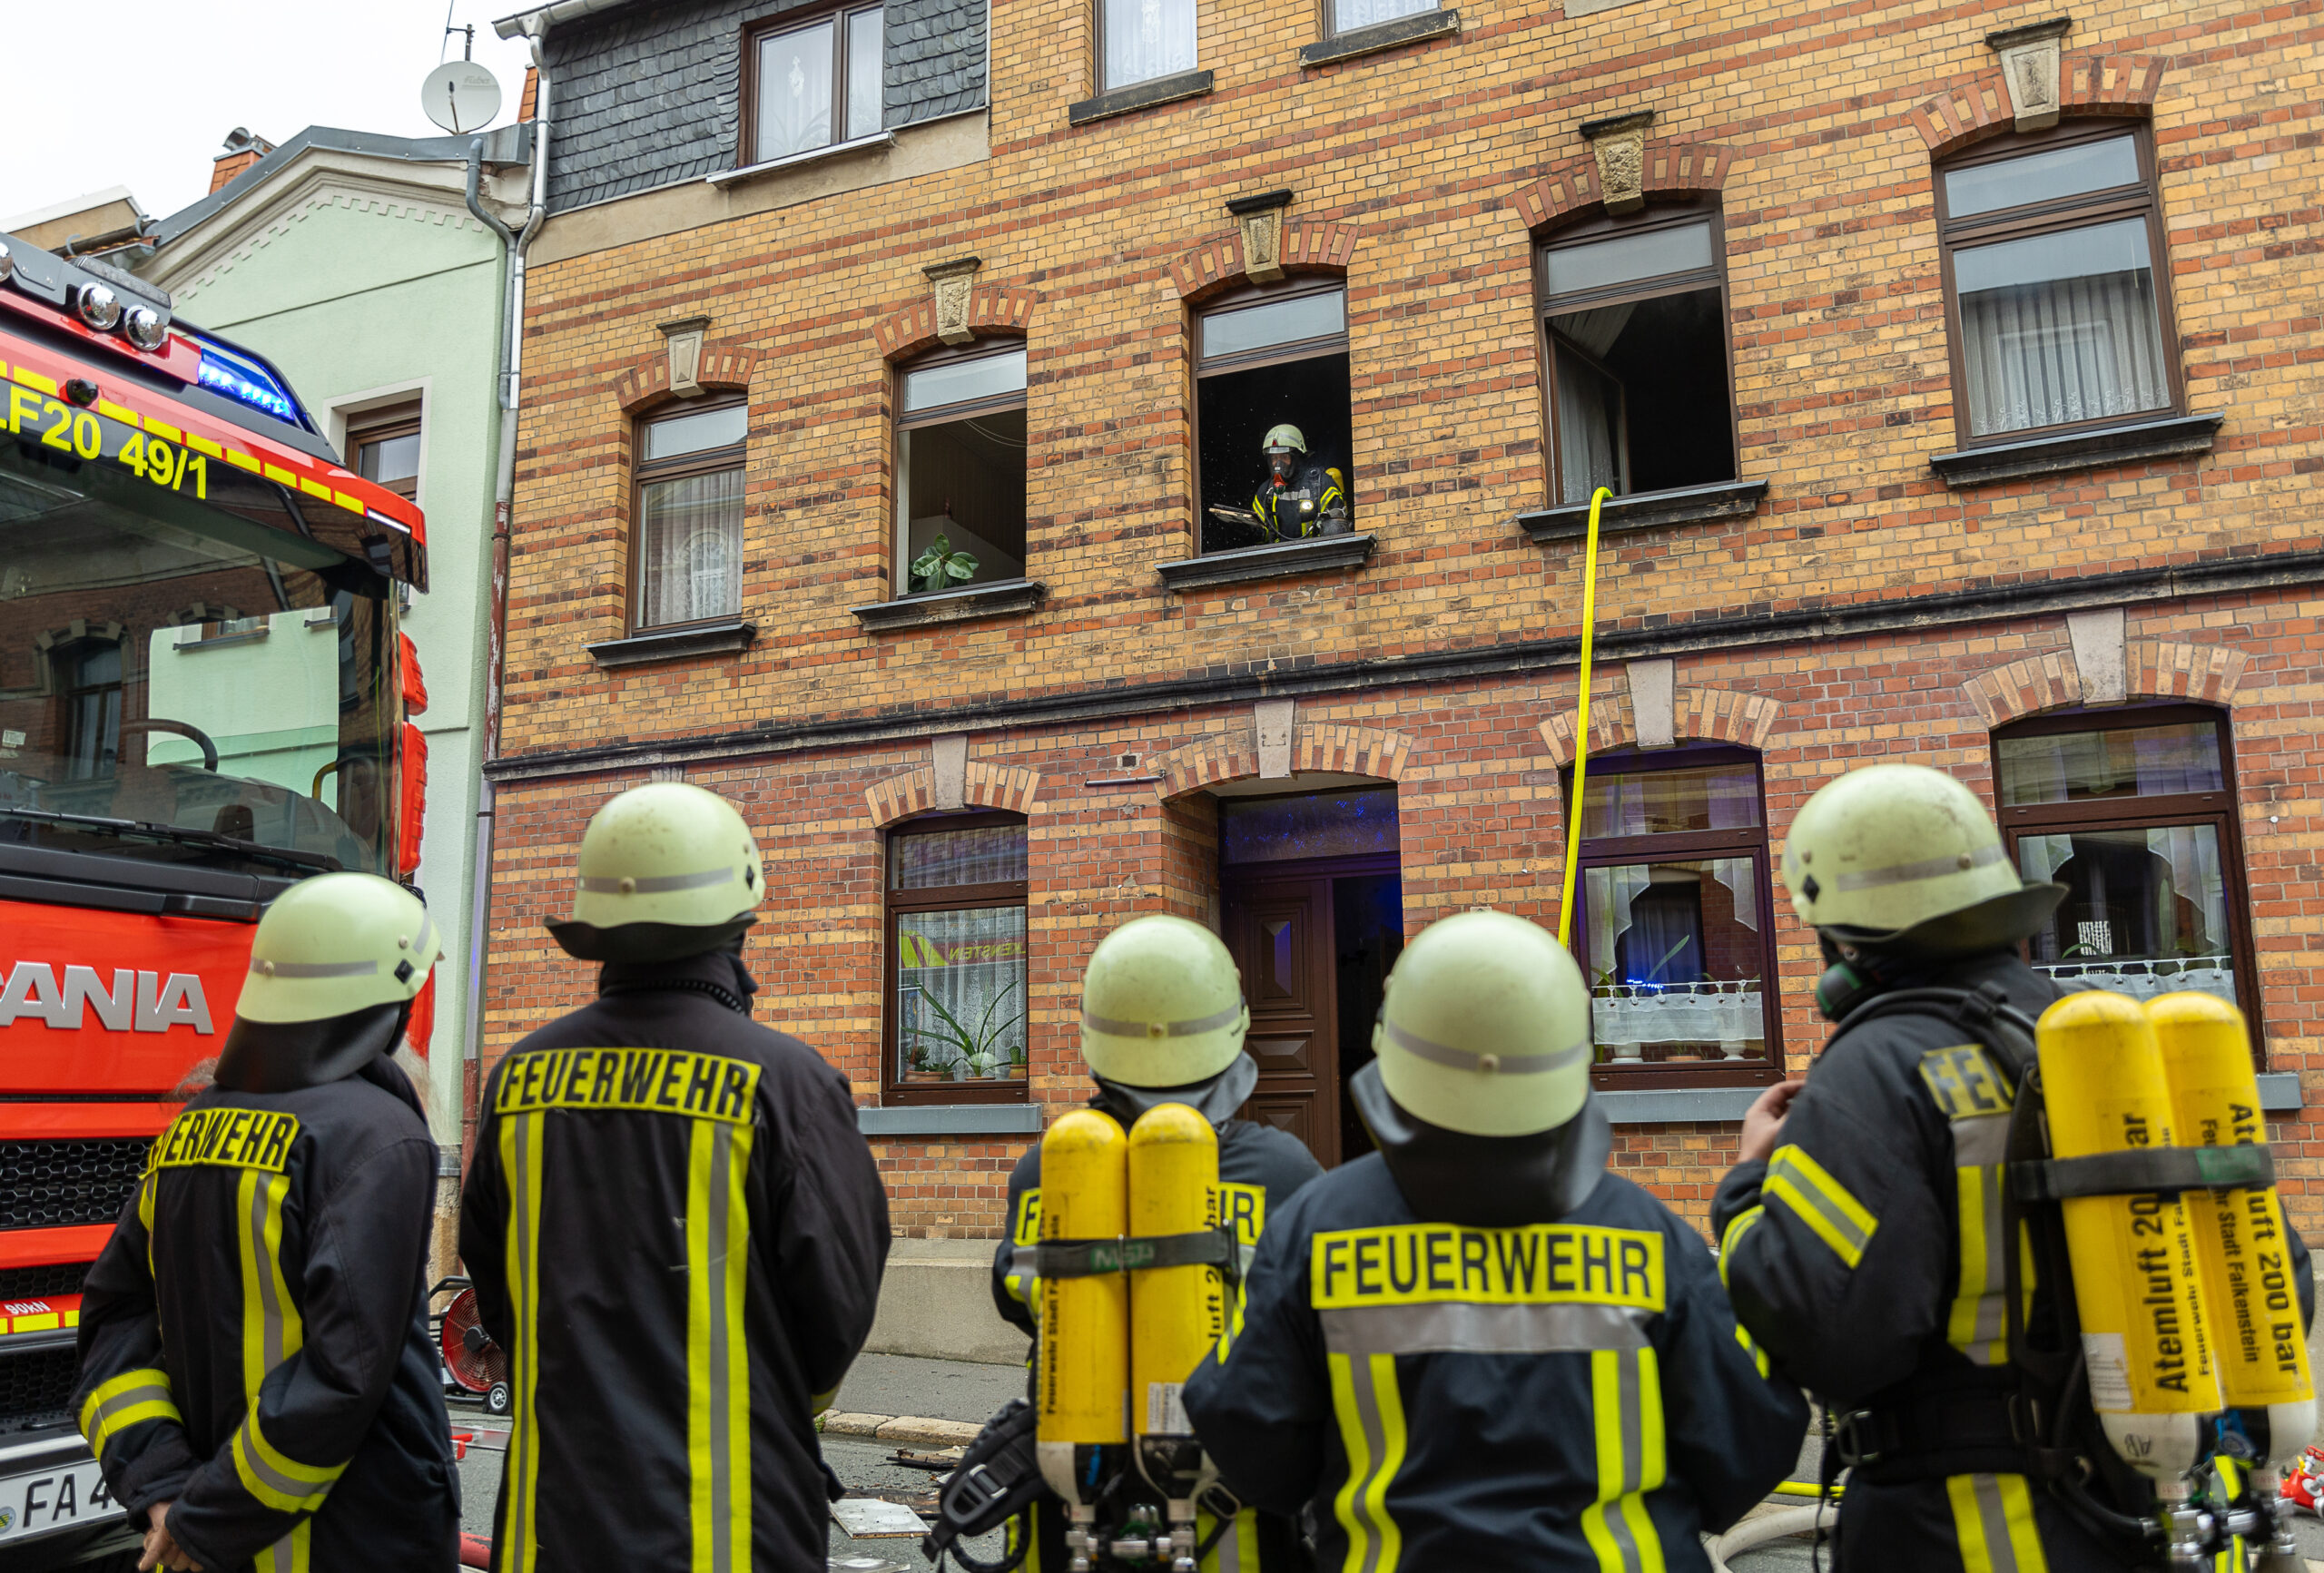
(2036, 511)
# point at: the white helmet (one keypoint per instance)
(338, 943)
(666, 870)
(1485, 1029)
(1161, 1005)
(1890, 849)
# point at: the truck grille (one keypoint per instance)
(36, 1387)
(53, 1185)
(38, 1283)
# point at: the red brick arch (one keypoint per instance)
(2152, 668)
(1216, 264)
(986, 786)
(1234, 755)
(1697, 716)
(725, 367)
(993, 312)
(1977, 107)
(1569, 190)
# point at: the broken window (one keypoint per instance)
(1266, 358)
(1635, 316)
(961, 470)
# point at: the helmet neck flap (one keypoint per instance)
(278, 1057)
(1215, 1098)
(717, 974)
(1484, 1182)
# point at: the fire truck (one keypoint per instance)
(204, 696)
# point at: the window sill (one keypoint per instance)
(1245, 564)
(1676, 1104)
(1394, 34)
(878, 138)
(674, 643)
(952, 1119)
(2077, 450)
(1646, 511)
(1139, 95)
(1002, 598)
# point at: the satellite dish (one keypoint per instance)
(461, 96)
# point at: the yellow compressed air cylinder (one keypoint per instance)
(1083, 1379)
(2251, 1306)
(2134, 1273)
(1176, 1313)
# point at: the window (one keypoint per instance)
(91, 690)
(2133, 812)
(386, 443)
(1347, 15)
(1264, 358)
(1141, 40)
(2051, 244)
(1675, 932)
(1634, 311)
(689, 535)
(956, 959)
(814, 85)
(961, 470)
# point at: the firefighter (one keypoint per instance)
(1474, 1348)
(1297, 496)
(257, 1377)
(673, 1227)
(1846, 1246)
(1162, 1021)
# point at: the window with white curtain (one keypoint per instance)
(815, 84)
(1674, 916)
(1634, 320)
(1145, 39)
(957, 1016)
(2053, 254)
(689, 519)
(2132, 811)
(1347, 15)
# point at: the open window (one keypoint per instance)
(688, 538)
(1675, 931)
(1269, 356)
(2134, 811)
(2053, 262)
(811, 84)
(957, 1015)
(1634, 314)
(961, 470)
(386, 446)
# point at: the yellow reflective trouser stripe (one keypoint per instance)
(131, 1399)
(1821, 1203)
(274, 1478)
(1237, 1550)
(520, 1172)
(1626, 1404)
(1737, 1227)
(718, 1367)
(1992, 1517)
(1371, 1411)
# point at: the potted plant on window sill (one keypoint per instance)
(969, 1052)
(940, 568)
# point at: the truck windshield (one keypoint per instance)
(175, 666)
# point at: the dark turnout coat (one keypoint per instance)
(254, 1340)
(678, 1235)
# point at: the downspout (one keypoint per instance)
(503, 490)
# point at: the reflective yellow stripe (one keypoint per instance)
(274, 1477)
(1993, 1518)
(1978, 1323)
(1737, 1227)
(1371, 1412)
(290, 1554)
(1237, 1550)
(1820, 1202)
(718, 1371)
(145, 1218)
(1626, 1407)
(520, 1172)
(1758, 1356)
(131, 1399)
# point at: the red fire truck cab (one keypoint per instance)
(203, 698)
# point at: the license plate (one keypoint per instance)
(35, 1504)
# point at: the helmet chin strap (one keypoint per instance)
(1216, 1099)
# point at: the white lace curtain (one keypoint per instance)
(1355, 14)
(2198, 877)
(1145, 39)
(795, 89)
(691, 554)
(1589, 404)
(960, 992)
(2060, 327)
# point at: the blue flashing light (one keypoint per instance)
(245, 381)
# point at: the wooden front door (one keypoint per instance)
(1279, 931)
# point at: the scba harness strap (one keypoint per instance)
(1134, 1253)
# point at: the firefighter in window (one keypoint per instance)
(1299, 496)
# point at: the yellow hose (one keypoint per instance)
(1581, 725)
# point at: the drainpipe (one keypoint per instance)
(503, 487)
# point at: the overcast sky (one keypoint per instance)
(141, 92)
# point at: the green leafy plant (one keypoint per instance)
(939, 566)
(971, 1050)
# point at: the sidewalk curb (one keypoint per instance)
(918, 1428)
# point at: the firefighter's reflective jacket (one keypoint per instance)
(1866, 1257)
(1295, 508)
(1259, 1168)
(678, 1233)
(1574, 1394)
(254, 1337)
